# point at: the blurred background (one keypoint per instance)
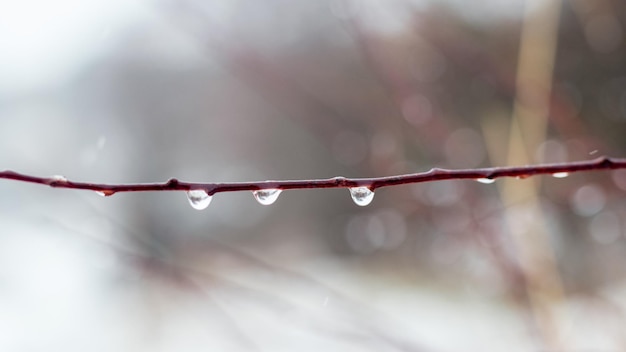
(219, 91)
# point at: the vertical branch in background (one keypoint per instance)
(528, 126)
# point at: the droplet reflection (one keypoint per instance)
(361, 196)
(560, 174)
(198, 198)
(266, 196)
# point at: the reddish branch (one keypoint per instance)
(602, 163)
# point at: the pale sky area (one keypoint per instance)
(44, 42)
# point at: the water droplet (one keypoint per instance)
(560, 174)
(105, 193)
(198, 198)
(266, 196)
(56, 180)
(486, 180)
(361, 196)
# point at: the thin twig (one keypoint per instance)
(436, 174)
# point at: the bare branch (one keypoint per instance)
(602, 163)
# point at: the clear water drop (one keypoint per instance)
(56, 180)
(105, 193)
(59, 178)
(198, 198)
(486, 180)
(266, 196)
(361, 196)
(560, 174)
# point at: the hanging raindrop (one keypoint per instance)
(560, 174)
(198, 198)
(266, 196)
(361, 196)
(56, 180)
(105, 193)
(486, 180)
(59, 178)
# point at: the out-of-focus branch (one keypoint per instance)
(435, 174)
